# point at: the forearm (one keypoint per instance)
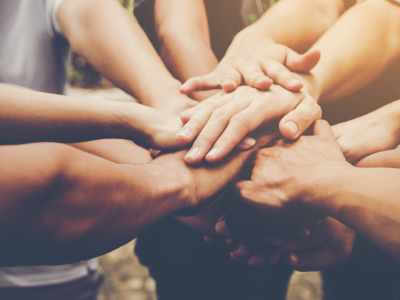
(366, 200)
(84, 205)
(112, 41)
(357, 49)
(296, 24)
(30, 116)
(183, 32)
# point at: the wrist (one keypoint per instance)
(322, 185)
(311, 85)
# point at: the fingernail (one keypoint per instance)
(213, 151)
(295, 82)
(294, 259)
(192, 153)
(248, 142)
(275, 241)
(221, 228)
(185, 132)
(305, 232)
(292, 127)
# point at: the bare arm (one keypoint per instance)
(265, 52)
(182, 29)
(59, 204)
(30, 116)
(362, 44)
(112, 41)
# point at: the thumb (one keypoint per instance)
(323, 129)
(298, 120)
(302, 62)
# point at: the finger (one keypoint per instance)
(302, 63)
(246, 143)
(200, 83)
(254, 75)
(202, 113)
(242, 251)
(257, 259)
(281, 75)
(212, 131)
(231, 80)
(323, 129)
(226, 226)
(187, 114)
(312, 261)
(298, 120)
(238, 127)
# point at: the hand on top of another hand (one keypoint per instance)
(219, 124)
(206, 183)
(257, 63)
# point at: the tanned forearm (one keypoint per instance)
(364, 199)
(60, 205)
(356, 50)
(182, 29)
(112, 41)
(297, 24)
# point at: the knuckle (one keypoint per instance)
(221, 115)
(240, 121)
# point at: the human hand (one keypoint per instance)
(283, 181)
(327, 244)
(167, 98)
(375, 132)
(223, 121)
(206, 183)
(258, 63)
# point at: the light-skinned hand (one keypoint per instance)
(219, 124)
(257, 62)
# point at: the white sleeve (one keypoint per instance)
(52, 7)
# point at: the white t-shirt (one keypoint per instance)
(34, 54)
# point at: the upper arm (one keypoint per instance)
(27, 174)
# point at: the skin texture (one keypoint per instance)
(221, 123)
(311, 176)
(357, 68)
(83, 202)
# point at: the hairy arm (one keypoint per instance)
(355, 50)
